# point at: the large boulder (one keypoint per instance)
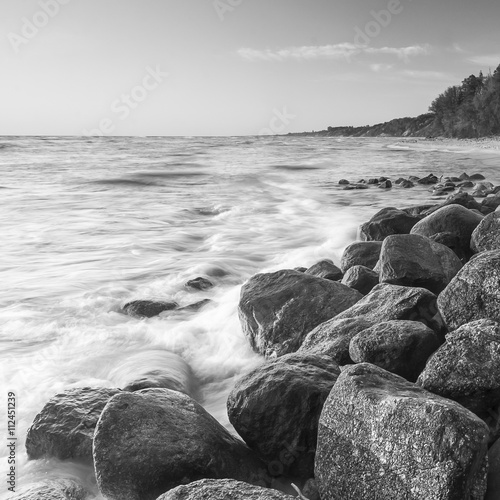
(276, 408)
(386, 222)
(460, 198)
(65, 427)
(381, 436)
(223, 489)
(414, 260)
(150, 441)
(466, 368)
(278, 310)
(52, 489)
(388, 302)
(486, 236)
(360, 278)
(361, 253)
(454, 219)
(333, 338)
(474, 292)
(400, 347)
(325, 269)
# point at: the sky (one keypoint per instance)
(233, 67)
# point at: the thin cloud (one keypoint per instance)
(427, 75)
(492, 61)
(378, 68)
(335, 52)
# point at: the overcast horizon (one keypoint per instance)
(233, 67)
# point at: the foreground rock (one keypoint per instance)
(383, 437)
(361, 279)
(147, 308)
(151, 441)
(493, 491)
(486, 236)
(361, 253)
(53, 489)
(467, 367)
(278, 310)
(386, 222)
(276, 408)
(454, 219)
(400, 347)
(414, 260)
(65, 427)
(223, 489)
(333, 338)
(473, 293)
(391, 302)
(325, 269)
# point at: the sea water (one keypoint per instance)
(88, 224)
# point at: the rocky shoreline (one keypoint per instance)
(382, 377)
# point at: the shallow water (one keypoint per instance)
(91, 223)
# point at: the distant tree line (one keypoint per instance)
(471, 109)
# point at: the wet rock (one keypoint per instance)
(52, 489)
(430, 179)
(465, 184)
(385, 184)
(373, 181)
(467, 367)
(278, 310)
(382, 179)
(276, 409)
(147, 308)
(223, 489)
(199, 284)
(383, 437)
(464, 177)
(310, 490)
(462, 198)
(386, 222)
(493, 491)
(196, 306)
(420, 210)
(414, 260)
(393, 302)
(325, 269)
(399, 180)
(400, 347)
(490, 204)
(333, 338)
(151, 441)
(477, 177)
(362, 253)
(473, 293)
(351, 187)
(343, 181)
(361, 279)
(65, 426)
(453, 242)
(453, 219)
(406, 184)
(486, 236)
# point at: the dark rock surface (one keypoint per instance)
(196, 306)
(453, 219)
(381, 437)
(199, 283)
(151, 441)
(278, 310)
(65, 427)
(466, 368)
(474, 292)
(361, 253)
(400, 347)
(414, 260)
(486, 236)
(361, 279)
(52, 489)
(389, 302)
(223, 489)
(325, 269)
(493, 491)
(148, 308)
(333, 338)
(453, 242)
(386, 222)
(429, 179)
(276, 409)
